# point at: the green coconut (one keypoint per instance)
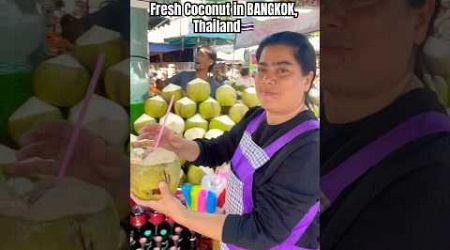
(7, 156)
(194, 133)
(172, 90)
(210, 108)
(174, 122)
(72, 215)
(222, 122)
(195, 175)
(106, 119)
(61, 81)
(155, 106)
(143, 121)
(185, 107)
(29, 115)
(226, 95)
(117, 82)
(146, 173)
(237, 111)
(250, 98)
(213, 133)
(196, 121)
(99, 40)
(198, 90)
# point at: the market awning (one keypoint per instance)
(202, 38)
(156, 48)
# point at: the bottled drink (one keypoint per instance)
(183, 240)
(172, 225)
(138, 220)
(175, 240)
(156, 219)
(143, 242)
(164, 230)
(133, 243)
(192, 241)
(158, 241)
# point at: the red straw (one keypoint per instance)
(161, 131)
(81, 115)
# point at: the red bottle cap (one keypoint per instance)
(156, 219)
(158, 238)
(138, 220)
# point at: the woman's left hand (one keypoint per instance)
(168, 204)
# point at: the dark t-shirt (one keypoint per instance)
(404, 201)
(284, 188)
(114, 15)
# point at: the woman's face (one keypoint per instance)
(280, 82)
(368, 45)
(202, 60)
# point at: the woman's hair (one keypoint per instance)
(245, 72)
(304, 52)
(211, 54)
(420, 66)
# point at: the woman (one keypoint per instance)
(385, 165)
(245, 80)
(205, 60)
(273, 190)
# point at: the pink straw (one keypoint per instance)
(161, 131)
(81, 115)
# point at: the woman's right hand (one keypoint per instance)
(148, 136)
(187, 150)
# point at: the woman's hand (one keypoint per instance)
(209, 225)
(168, 204)
(43, 149)
(185, 149)
(169, 139)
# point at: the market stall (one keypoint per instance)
(53, 80)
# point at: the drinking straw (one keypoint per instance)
(202, 200)
(211, 202)
(194, 196)
(161, 131)
(81, 115)
(186, 189)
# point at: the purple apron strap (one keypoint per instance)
(253, 125)
(247, 192)
(362, 161)
(286, 138)
(231, 247)
(300, 228)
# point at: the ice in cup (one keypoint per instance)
(149, 168)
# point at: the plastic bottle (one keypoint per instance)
(139, 79)
(21, 48)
